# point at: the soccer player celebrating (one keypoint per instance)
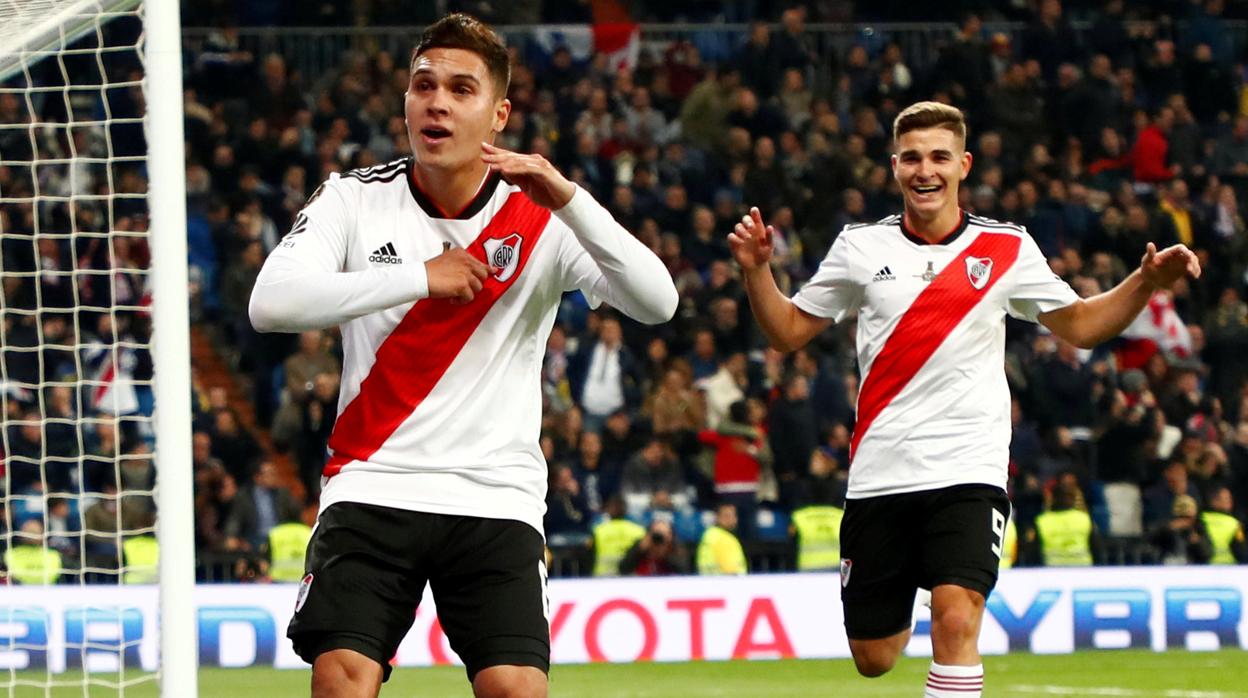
(444, 271)
(927, 507)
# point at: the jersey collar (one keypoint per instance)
(474, 206)
(949, 237)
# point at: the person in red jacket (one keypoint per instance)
(740, 453)
(1148, 155)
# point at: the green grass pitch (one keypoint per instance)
(1111, 674)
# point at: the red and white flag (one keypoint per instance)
(1161, 325)
(620, 41)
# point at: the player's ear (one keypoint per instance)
(502, 111)
(967, 160)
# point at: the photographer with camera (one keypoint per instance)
(657, 554)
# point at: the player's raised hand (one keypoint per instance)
(455, 274)
(1162, 269)
(751, 241)
(534, 174)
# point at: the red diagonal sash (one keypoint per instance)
(416, 354)
(925, 325)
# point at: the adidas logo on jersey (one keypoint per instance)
(385, 254)
(884, 274)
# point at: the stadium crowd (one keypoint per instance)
(690, 446)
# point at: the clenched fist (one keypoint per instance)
(455, 274)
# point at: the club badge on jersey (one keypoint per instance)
(304, 586)
(978, 270)
(847, 566)
(504, 254)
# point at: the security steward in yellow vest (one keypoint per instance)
(818, 530)
(720, 551)
(288, 543)
(613, 538)
(142, 554)
(1226, 533)
(1064, 532)
(29, 561)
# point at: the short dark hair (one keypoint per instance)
(458, 30)
(930, 115)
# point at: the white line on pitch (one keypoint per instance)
(1123, 692)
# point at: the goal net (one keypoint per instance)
(92, 252)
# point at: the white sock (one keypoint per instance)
(947, 681)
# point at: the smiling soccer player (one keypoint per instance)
(926, 507)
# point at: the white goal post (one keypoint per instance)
(94, 245)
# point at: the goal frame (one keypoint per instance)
(161, 50)
(171, 348)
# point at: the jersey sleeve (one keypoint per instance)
(303, 284)
(602, 259)
(1036, 289)
(833, 292)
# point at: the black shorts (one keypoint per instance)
(366, 571)
(893, 545)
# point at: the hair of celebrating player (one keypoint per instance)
(930, 115)
(458, 30)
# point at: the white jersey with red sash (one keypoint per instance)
(933, 405)
(440, 402)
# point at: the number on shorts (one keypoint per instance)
(541, 573)
(998, 531)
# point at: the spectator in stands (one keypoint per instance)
(264, 504)
(315, 427)
(63, 530)
(726, 386)
(1148, 155)
(741, 453)
(1159, 499)
(237, 449)
(107, 520)
(24, 452)
(567, 512)
(674, 407)
(793, 433)
(657, 553)
(1182, 539)
(651, 470)
(302, 367)
(720, 551)
(201, 451)
(604, 375)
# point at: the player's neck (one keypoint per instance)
(937, 227)
(451, 190)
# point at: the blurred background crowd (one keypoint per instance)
(1098, 126)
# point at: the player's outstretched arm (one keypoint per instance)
(626, 274)
(1090, 321)
(786, 326)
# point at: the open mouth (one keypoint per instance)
(435, 134)
(927, 188)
